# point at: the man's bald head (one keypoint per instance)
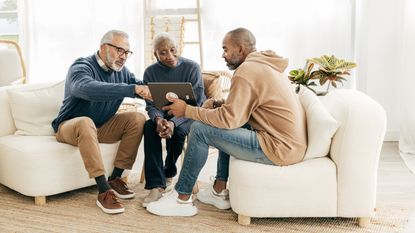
(244, 37)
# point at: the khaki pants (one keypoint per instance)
(81, 131)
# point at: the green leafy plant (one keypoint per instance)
(330, 69)
(301, 77)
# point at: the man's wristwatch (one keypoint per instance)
(217, 103)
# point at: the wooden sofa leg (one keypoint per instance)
(142, 176)
(41, 200)
(244, 220)
(364, 221)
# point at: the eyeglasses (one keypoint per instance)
(121, 51)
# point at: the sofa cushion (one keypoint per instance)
(41, 166)
(33, 110)
(212, 85)
(321, 126)
(306, 189)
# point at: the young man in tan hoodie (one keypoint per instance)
(261, 121)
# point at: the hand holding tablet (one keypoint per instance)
(177, 108)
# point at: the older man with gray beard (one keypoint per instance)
(94, 89)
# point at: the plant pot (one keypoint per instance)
(321, 93)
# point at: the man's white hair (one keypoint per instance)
(107, 38)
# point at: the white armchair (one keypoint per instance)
(12, 66)
(342, 184)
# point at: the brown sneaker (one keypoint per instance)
(109, 203)
(121, 189)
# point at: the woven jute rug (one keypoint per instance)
(76, 212)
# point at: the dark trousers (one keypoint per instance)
(155, 172)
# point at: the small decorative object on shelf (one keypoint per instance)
(328, 68)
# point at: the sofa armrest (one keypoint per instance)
(355, 149)
(7, 126)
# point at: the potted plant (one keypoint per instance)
(330, 69)
(301, 77)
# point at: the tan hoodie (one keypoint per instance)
(262, 95)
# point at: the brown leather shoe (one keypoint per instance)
(121, 189)
(109, 203)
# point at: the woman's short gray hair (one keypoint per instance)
(107, 38)
(161, 38)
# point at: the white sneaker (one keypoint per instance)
(211, 197)
(171, 205)
(169, 184)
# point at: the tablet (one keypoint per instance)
(160, 90)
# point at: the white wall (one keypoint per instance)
(406, 81)
(55, 33)
(379, 30)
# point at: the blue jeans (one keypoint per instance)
(241, 143)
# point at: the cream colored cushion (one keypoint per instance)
(41, 166)
(306, 189)
(33, 110)
(212, 85)
(321, 126)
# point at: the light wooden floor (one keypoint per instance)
(395, 181)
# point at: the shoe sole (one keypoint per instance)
(110, 211)
(192, 211)
(145, 204)
(210, 202)
(122, 196)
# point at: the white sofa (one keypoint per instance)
(342, 184)
(39, 166)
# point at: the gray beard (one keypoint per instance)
(111, 62)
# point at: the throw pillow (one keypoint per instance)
(321, 126)
(33, 110)
(212, 85)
